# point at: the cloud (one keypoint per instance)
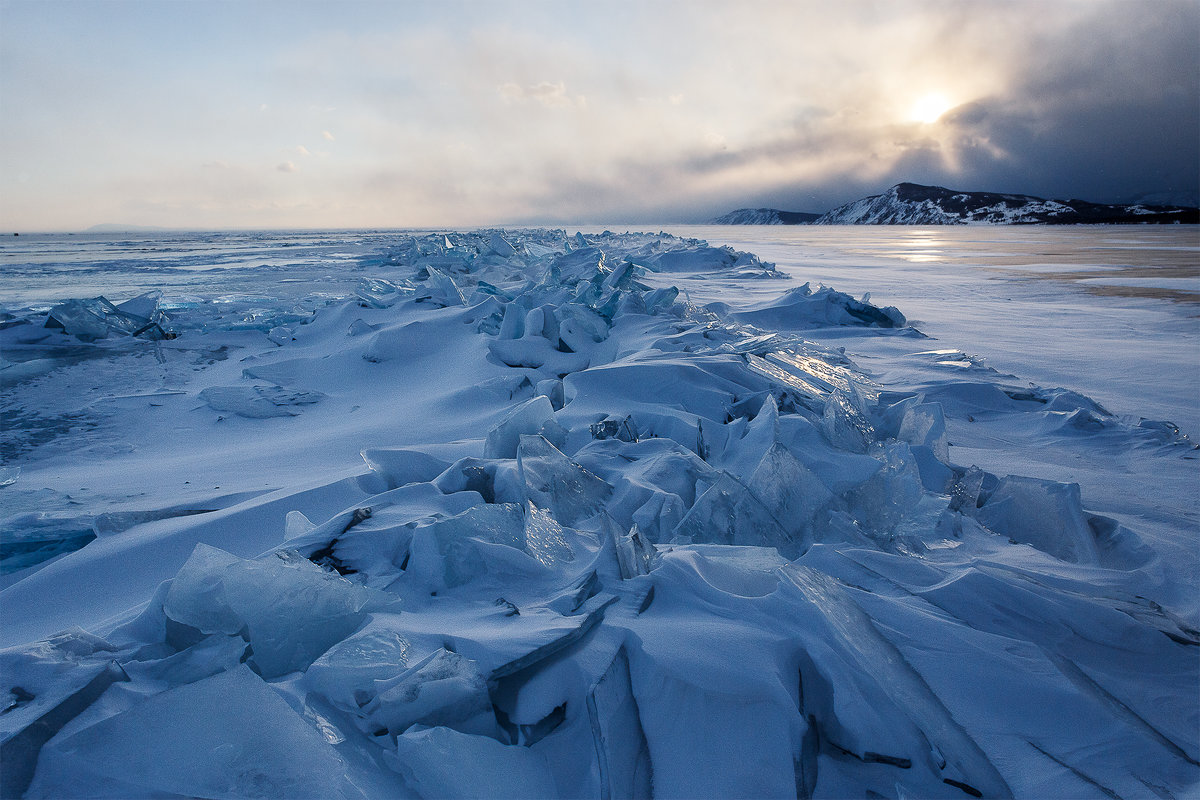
(550, 95)
(670, 111)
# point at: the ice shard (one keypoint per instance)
(554, 482)
(46, 686)
(229, 735)
(378, 293)
(347, 673)
(444, 689)
(1045, 514)
(730, 513)
(290, 610)
(534, 416)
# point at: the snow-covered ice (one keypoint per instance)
(527, 514)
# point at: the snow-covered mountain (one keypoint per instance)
(765, 216)
(913, 204)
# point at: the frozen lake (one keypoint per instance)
(1113, 311)
(601, 514)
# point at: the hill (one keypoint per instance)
(765, 216)
(914, 204)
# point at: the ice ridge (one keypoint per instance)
(684, 551)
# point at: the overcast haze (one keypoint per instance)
(212, 115)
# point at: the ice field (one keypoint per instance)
(538, 513)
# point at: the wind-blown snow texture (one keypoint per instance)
(913, 204)
(607, 543)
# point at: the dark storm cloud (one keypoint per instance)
(1107, 112)
(1112, 117)
(1106, 109)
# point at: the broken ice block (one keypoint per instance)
(845, 425)
(513, 324)
(531, 417)
(377, 292)
(893, 492)
(443, 689)
(553, 481)
(93, 319)
(144, 306)
(346, 674)
(866, 697)
(289, 610)
(802, 307)
(454, 551)
(552, 388)
(615, 427)
(541, 640)
(403, 465)
(1045, 514)
(658, 516)
(925, 424)
(441, 290)
(791, 492)
(87, 320)
(635, 555)
(728, 513)
(259, 402)
(500, 246)
(544, 537)
(967, 493)
(203, 659)
(229, 735)
(46, 685)
(580, 328)
(659, 300)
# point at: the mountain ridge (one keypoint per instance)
(916, 204)
(765, 216)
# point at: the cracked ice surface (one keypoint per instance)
(606, 543)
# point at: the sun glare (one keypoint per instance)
(929, 108)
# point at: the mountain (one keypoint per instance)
(765, 216)
(913, 204)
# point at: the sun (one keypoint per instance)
(929, 108)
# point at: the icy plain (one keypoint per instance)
(530, 514)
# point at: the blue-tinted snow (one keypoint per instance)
(634, 514)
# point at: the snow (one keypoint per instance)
(528, 514)
(913, 204)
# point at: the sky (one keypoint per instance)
(207, 114)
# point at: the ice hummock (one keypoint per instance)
(289, 610)
(230, 735)
(96, 318)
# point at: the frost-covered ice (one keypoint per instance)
(634, 515)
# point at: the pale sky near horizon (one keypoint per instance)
(376, 114)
